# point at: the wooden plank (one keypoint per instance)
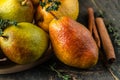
(111, 10)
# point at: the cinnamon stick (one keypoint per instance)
(92, 26)
(106, 41)
(90, 19)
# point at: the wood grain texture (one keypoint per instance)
(111, 9)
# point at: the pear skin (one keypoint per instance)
(73, 44)
(67, 8)
(17, 10)
(24, 43)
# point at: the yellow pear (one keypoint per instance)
(68, 8)
(73, 43)
(24, 43)
(17, 10)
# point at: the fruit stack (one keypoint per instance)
(27, 28)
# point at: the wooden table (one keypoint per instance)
(43, 71)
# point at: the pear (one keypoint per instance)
(35, 2)
(73, 44)
(68, 8)
(17, 10)
(24, 43)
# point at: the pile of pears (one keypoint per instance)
(36, 29)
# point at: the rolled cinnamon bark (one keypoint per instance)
(92, 26)
(106, 41)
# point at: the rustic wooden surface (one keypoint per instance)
(111, 10)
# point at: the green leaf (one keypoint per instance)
(42, 4)
(54, 5)
(1, 32)
(4, 23)
(64, 77)
(50, 1)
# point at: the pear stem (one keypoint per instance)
(6, 37)
(53, 15)
(24, 2)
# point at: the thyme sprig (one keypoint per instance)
(111, 27)
(115, 34)
(4, 23)
(64, 77)
(54, 5)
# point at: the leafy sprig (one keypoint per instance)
(111, 27)
(54, 5)
(64, 77)
(115, 34)
(4, 23)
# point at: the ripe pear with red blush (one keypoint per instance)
(73, 44)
